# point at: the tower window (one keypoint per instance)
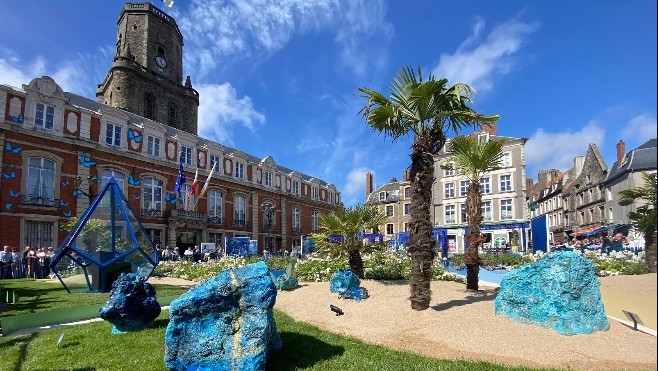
(161, 50)
(173, 117)
(148, 108)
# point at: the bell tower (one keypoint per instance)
(146, 76)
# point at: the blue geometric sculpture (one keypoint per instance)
(561, 292)
(106, 241)
(225, 323)
(346, 284)
(132, 305)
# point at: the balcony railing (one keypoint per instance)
(269, 226)
(180, 213)
(212, 219)
(152, 213)
(39, 201)
(296, 228)
(240, 223)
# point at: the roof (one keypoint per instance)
(92, 105)
(641, 158)
(592, 149)
(392, 190)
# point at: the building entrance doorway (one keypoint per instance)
(185, 239)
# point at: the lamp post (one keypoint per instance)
(77, 181)
(268, 211)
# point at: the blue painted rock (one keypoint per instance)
(561, 292)
(285, 282)
(225, 323)
(343, 280)
(132, 305)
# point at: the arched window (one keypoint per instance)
(239, 211)
(296, 219)
(41, 181)
(216, 204)
(152, 194)
(315, 226)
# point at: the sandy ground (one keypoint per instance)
(461, 324)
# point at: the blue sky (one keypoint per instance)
(279, 77)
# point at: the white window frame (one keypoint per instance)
(295, 187)
(505, 182)
(296, 219)
(449, 172)
(382, 196)
(406, 209)
(449, 190)
(240, 209)
(315, 221)
(42, 116)
(314, 193)
(463, 187)
(506, 160)
(485, 185)
(39, 171)
(115, 140)
(153, 146)
(392, 210)
(390, 229)
(215, 196)
(269, 179)
(186, 155)
(450, 214)
(506, 209)
(239, 170)
(215, 159)
(486, 211)
(152, 184)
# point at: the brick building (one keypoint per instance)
(59, 148)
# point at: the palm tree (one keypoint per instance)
(473, 158)
(644, 217)
(427, 109)
(349, 224)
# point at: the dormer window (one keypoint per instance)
(44, 116)
(382, 196)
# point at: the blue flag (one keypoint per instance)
(181, 177)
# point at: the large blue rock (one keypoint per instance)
(132, 305)
(343, 280)
(561, 292)
(225, 323)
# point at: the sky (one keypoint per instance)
(279, 77)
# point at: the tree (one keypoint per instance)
(473, 158)
(348, 223)
(644, 216)
(428, 109)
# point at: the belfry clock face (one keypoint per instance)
(160, 61)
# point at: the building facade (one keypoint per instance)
(504, 209)
(58, 149)
(394, 200)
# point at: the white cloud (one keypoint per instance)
(479, 63)
(545, 150)
(355, 185)
(640, 128)
(220, 110)
(224, 30)
(78, 74)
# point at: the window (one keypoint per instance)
(215, 238)
(382, 196)
(449, 190)
(463, 214)
(505, 183)
(331, 197)
(215, 203)
(295, 187)
(186, 201)
(449, 172)
(591, 215)
(239, 210)
(315, 221)
(463, 188)
(39, 234)
(44, 116)
(582, 217)
(239, 170)
(148, 108)
(486, 210)
(506, 160)
(389, 210)
(106, 175)
(581, 199)
(407, 192)
(152, 194)
(407, 209)
(314, 193)
(296, 219)
(506, 209)
(483, 138)
(268, 179)
(450, 214)
(406, 227)
(41, 181)
(186, 155)
(153, 146)
(485, 187)
(214, 159)
(173, 117)
(113, 135)
(154, 234)
(389, 229)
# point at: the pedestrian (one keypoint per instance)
(6, 262)
(617, 243)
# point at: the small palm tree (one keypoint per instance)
(427, 109)
(473, 159)
(644, 217)
(348, 223)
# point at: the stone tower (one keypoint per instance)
(147, 70)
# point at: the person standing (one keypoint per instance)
(617, 243)
(5, 263)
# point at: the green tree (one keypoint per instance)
(473, 158)
(427, 109)
(349, 223)
(644, 216)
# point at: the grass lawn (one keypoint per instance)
(93, 347)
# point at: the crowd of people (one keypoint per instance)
(32, 262)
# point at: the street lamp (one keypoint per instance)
(268, 223)
(77, 182)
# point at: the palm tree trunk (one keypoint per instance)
(420, 249)
(650, 249)
(356, 263)
(474, 237)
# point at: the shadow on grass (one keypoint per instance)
(474, 297)
(22, 343)
(301, 351)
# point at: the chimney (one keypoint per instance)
(529, 182)
(621, 151)
(492, 128)
(405, 175)
(368, 184)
